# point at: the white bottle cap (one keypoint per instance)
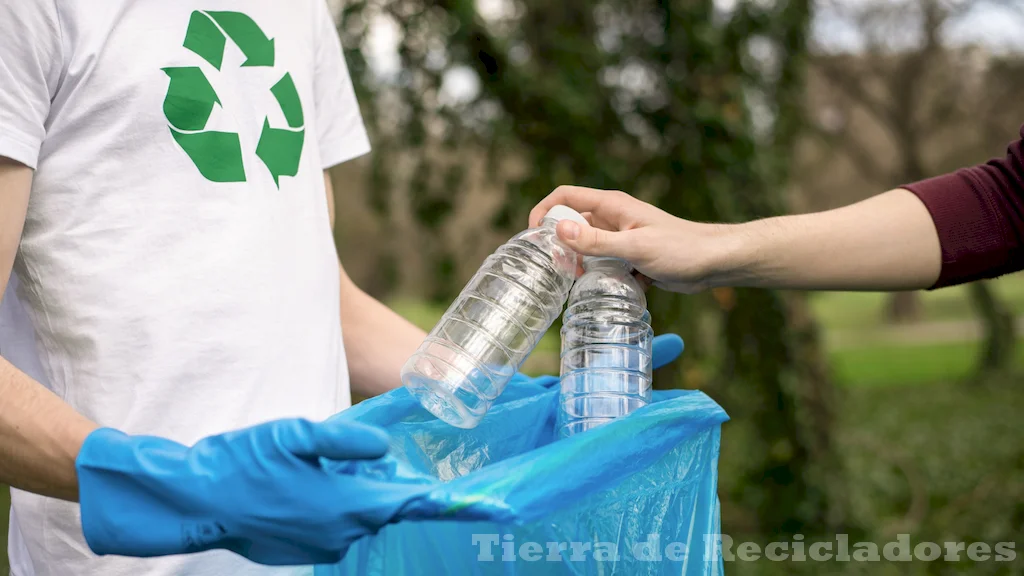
(559, 212)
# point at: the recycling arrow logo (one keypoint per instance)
(191, 98)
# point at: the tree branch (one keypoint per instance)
(853, 87)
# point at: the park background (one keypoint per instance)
(866, 414)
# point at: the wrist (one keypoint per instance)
(154, 485)
(72, 439)
(733, 254)
(74, 434)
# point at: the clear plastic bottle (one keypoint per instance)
(606, 348)
(486, 334)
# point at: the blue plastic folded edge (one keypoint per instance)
(564, 468)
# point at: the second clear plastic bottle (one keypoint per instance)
(606, 348)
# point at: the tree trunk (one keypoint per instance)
(1000, 332)
(773, 355)
(903, 308)
(817, 393)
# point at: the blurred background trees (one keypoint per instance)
(907, 89)
(722, 111)
(649, 97)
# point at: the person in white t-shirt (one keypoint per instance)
(169, 275)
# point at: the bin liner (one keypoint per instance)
(635, 496)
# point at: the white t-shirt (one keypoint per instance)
(177, 274)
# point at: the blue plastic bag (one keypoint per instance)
(635, 496)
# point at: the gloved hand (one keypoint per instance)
(274, 493)
(665, 349)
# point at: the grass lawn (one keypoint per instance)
(864, 310)
(888, 366)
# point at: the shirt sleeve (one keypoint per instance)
(339, 125)
(30, 67)
(979, 215)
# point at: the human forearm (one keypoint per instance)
(887, 242)
(254, 491)
(40, 437)
(377, 340)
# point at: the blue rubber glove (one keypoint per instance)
(274, 493)
(665, 349)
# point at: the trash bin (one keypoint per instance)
(635, 496)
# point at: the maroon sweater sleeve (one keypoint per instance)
(979, 214)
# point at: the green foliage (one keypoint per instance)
(934, 461)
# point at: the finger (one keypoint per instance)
(589, 216)
(614, 220)
(334, 439)
(600, 202)
(591, 241)
(665, 349)
(340, 440)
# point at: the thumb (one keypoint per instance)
(334, 439)
(591, 241)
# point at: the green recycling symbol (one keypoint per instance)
(190, 100)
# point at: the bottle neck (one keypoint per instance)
(606, 264)
(549, 223)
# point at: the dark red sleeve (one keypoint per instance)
(979, 213)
